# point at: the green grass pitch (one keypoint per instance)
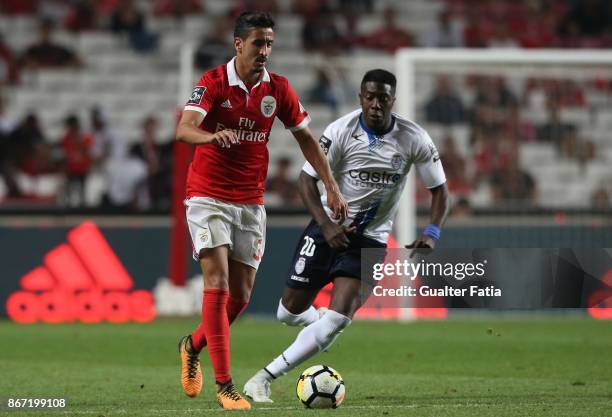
(480, 367)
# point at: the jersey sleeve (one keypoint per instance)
(291, 112)
(330, 143)
(427, 162)
(203, 96)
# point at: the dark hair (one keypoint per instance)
(136, 151)
(247, 21)
(72, 121)
(379, 76)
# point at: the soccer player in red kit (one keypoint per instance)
(229, 116)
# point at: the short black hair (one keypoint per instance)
(247, 21)
(379, 76)
(72, 121)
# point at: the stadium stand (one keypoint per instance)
(131, 86)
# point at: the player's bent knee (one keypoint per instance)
(285, 316)
(332, 324)
(216, 280)
(338, 321)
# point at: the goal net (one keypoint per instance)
(524, 137)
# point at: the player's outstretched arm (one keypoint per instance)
(315, 156)
(335, 234)
(439, 210)
(188, 131)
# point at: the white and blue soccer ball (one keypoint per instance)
(320, 386)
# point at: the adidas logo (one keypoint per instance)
(226, 104)
(82, 280)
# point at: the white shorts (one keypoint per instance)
(214, 223)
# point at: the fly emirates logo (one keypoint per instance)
(245, 132)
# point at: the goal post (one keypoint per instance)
(559, 177)
(179, 247)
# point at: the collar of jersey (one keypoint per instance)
(370, 132)
(234, 79)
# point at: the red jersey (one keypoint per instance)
(77, 149)
(238, 174)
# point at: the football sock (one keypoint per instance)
(311, 340)
(235, 307)
(305, 318)
(216, 328)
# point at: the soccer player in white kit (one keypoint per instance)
(370, 152)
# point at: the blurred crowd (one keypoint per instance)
(497, 132)
(137, 170)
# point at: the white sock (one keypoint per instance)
(311, 340)
(303, 319)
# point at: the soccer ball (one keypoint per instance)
(320, 386)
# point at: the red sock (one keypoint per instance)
(216, 328)
(235, 307)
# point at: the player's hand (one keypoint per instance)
(424, 244)
(336, 235)
(337, 204)
(224, 138)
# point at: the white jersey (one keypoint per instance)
(371, 170)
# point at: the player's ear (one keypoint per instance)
(238, 44)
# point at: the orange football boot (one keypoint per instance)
(191, 373)
(229, 398)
